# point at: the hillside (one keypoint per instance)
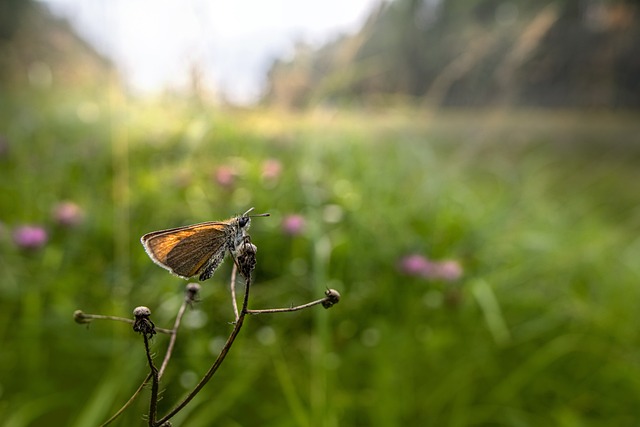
(40, 50)
(452, 53)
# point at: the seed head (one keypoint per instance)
(142, 323)
(332, 298)
(191, 292)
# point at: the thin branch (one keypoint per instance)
(174, 335)
(81, 317)
(232, 285)
(153, 405)
(331, 298)
(286, 310)
(129, 402)
(223, 353)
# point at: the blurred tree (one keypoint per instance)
(11, 14)
(569, 53)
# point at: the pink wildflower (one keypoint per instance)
(420, 266)
(448, 270)
(293, 225)
(271, 169)
(30, 237)
(225, 176)
(68, 214)
(415, 265)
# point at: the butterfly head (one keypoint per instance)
(244, 221)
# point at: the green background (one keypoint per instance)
(540, 209)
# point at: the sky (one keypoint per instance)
(156, 43)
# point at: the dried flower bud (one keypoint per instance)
(331, 299)
(80, 317)
(191, 292)
(141, 311)
(142, 323)
(246, 258)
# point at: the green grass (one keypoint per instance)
(541, 210)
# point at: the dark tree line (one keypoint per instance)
(571, 53)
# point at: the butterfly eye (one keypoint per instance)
(243, 221)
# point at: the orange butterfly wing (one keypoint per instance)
(185, 251)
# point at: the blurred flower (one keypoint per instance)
(448, 270)
(30, 237)
(415, 265)
(293, 225)
(68, 214)
(420, 266)
(225, 176)
(271, 169)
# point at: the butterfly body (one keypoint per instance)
(199, 249)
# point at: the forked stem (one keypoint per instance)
(190, 297)
(223, 353)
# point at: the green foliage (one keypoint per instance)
(539, 210)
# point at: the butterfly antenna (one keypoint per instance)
(253, 216)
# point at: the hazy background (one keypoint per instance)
(231, 44)
(463, 173)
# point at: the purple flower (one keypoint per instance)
(415, 265)
(68, 214)
(293, 225)
(420, 266)
(29, 237)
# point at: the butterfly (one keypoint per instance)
(199, 249)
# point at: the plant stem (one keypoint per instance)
(285, 310)
(223, 353)
(153, 405)
(119, 319)
(129, 402)
(172, 340)
(234, 271)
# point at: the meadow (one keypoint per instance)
(488, 263)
